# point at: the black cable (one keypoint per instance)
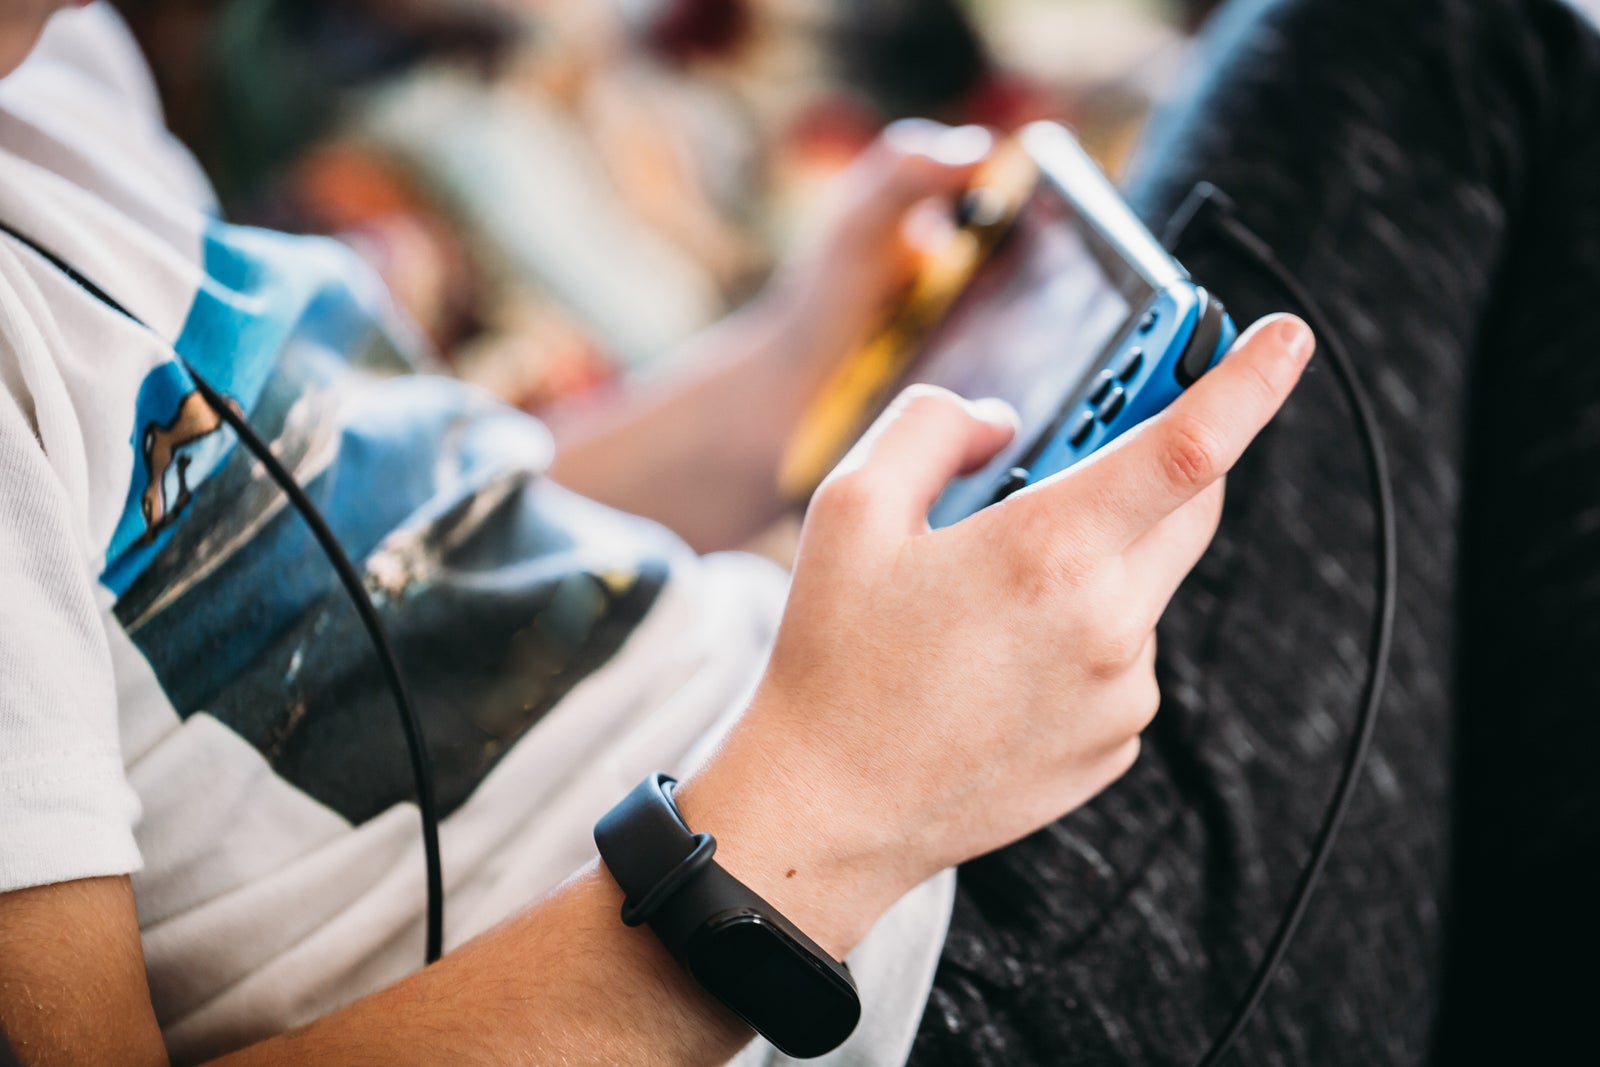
(349, 577)
(1386, 550)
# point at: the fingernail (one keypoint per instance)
(914, 135)
(962, 146)
(954, 146)
(1296, 338)
(993, 410)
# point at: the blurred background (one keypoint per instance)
(560, 191)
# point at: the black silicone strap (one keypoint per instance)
(667, 874)
(649, 849)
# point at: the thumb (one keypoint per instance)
(934, 157)
(914, 160)
(904, 461)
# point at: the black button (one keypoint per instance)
(1113, 404)
(1148, 323)
(1081, 432)
(1102, 386)
(980, 208)
(1130, 365)
(1014, 479)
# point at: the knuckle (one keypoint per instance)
(844, 498)
(1192, 453)
(1146, 703)
(1113, 650)
(1127, 756)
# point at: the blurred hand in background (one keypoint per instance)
(852, 266)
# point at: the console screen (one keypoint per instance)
(1048, 300)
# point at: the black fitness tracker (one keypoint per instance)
(733, 943)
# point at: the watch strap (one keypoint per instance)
(736, 945)
(666, 871)
(649, 849)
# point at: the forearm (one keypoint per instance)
(696, 449)
(566, 982)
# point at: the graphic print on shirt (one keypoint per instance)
(167, 451)
(261, 294)
(501, 591)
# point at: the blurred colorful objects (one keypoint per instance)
(560, 192)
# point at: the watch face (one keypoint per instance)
(793, 999)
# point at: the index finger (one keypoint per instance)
(1159, 466)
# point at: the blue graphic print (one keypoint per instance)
(261, 293)
(500, 590)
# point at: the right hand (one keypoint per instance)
(934, 695)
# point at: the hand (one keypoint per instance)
(898, 195)
(934, 695)
(698, 449)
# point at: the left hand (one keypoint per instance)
(698, 450)
(845, 279)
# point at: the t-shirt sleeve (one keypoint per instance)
(95, 45)
(87, 74)
(66, 809)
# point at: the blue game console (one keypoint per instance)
(1077, 316)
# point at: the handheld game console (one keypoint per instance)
(1052, 295)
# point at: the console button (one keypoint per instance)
(1081, 431)
(1102, 386)
(1013, 479)
(1113, 404)
(1148, 323)
(1130, 365)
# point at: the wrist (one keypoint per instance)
(766, 382)
(792, 845)
(806, 335)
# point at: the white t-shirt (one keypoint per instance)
(185, 693)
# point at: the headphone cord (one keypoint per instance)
(349, 577)
(1210, 204)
